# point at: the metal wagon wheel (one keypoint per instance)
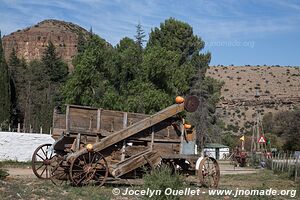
(209, 172)
(89, 168)
(41, 161)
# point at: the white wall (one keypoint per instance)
(20, 146)
(212, 152)
(223, 151)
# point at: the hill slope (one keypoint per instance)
(31, 42)
(250, 89)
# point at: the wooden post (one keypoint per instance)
(286, 161)
(289, 163)
(181, 136)
(19, 128)
(276, 162)
(152, 138)
(98, 119)
(283, 158)
(78, 140)
(272, 163)
(9, 129)
(125, 119)
(296, 167)
(68, 120)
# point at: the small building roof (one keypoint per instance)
(215, 145)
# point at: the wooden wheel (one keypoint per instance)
(41, 161)
(89, 168)
(209, 172)
(59, 172)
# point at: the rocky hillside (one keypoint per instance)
(31, 42)
(251, 90)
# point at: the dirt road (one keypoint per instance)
(26, 172)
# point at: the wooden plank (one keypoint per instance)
(155, 140)
(125, 118)
(81, 107)
(98, 119)
(136, 162)
(67, 119)
(133, 129)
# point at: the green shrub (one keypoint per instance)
(161, 179)
(3, 174)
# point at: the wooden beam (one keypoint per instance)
(136, 162)
(98, 119)
(125, 118)
(68, 119)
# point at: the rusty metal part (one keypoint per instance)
(209, 172)
(89, 168)
(41, 161)
(191, 103)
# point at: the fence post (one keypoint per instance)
(286, 161)
(282, 163)
(289, 163)
(276, 164)
(19, 128)
(296, 168)
(272, 162)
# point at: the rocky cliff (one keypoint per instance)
(250, 92)
(31, 42)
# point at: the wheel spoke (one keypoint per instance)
(44, 153)
(40, 167)
(43, 172)
(40, 157)
(80, 180)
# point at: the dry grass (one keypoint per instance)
(32, 188)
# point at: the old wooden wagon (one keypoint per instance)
(94, 146)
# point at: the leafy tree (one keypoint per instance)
(284, 125)
(128, 61)
(4, 87)
(175, 41)
(177, 36)
(92, 75)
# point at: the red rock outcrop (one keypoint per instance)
(30, 43)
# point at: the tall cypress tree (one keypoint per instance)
(140, 35)
(18, 87)
(4, 87)
(56, 69)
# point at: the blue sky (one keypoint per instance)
(238, 32)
